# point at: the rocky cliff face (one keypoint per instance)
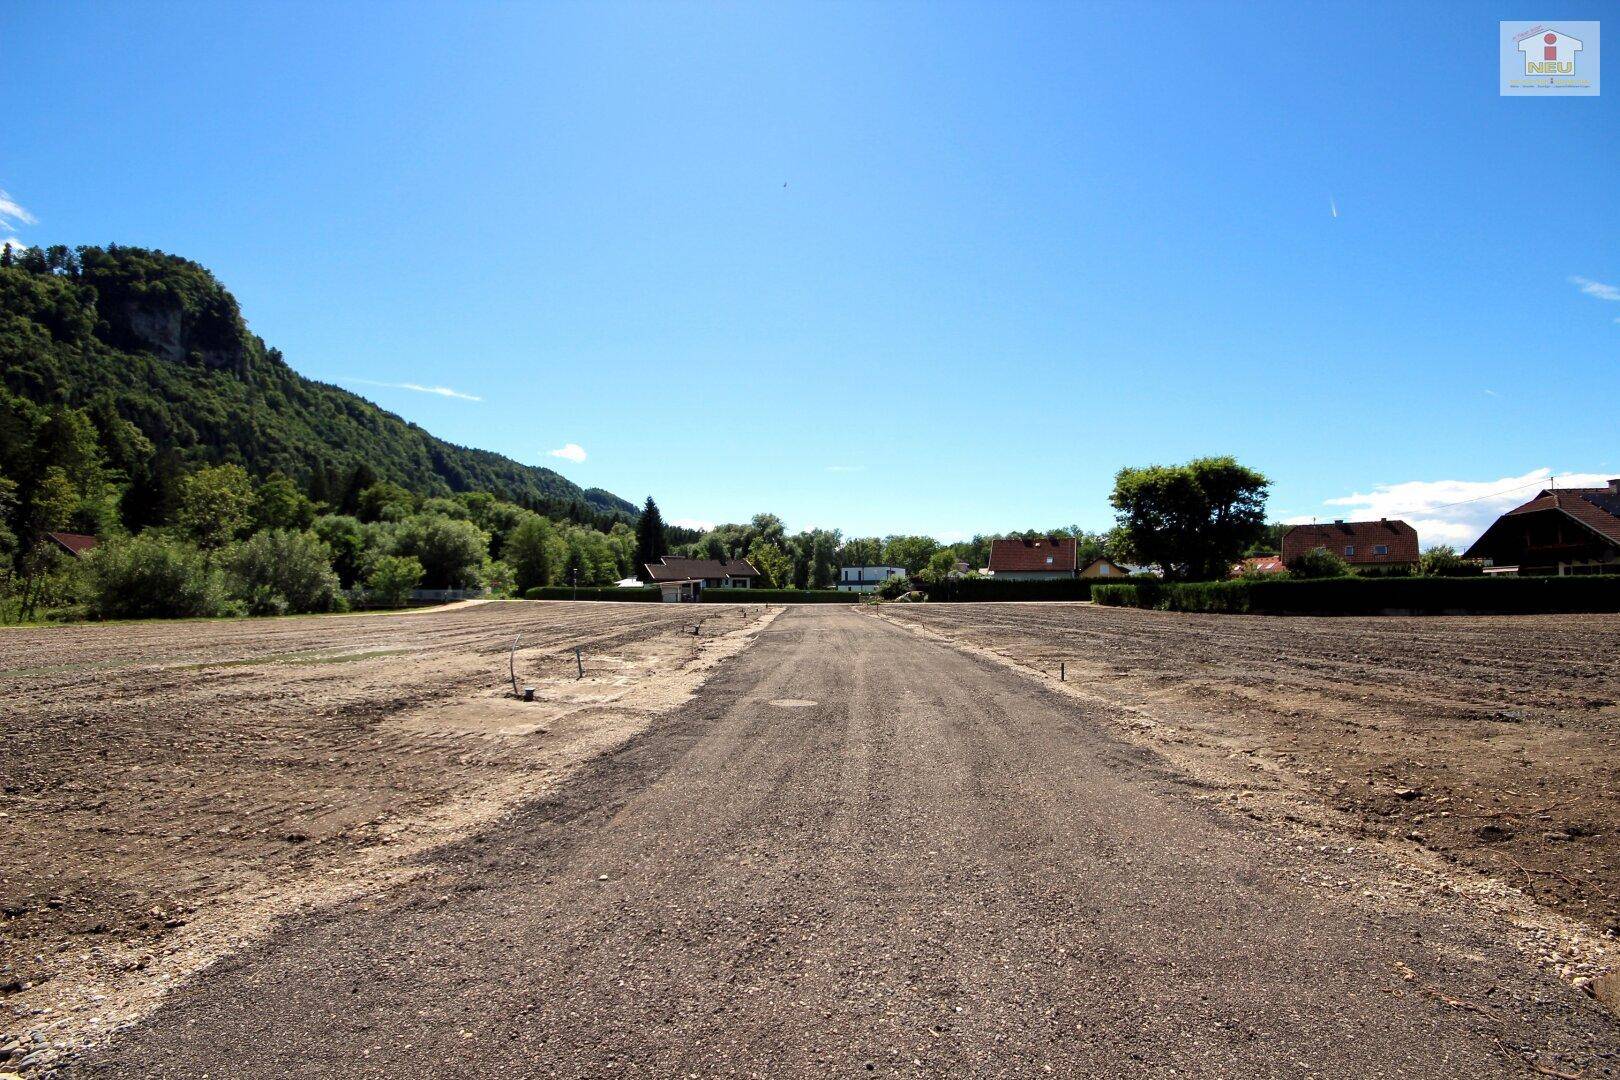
(162, 325)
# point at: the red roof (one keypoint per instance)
(75, 543)
(1049, 554)
(1596, 508)
(1355, 541)
(1260, 564)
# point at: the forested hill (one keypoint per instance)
(156, 340)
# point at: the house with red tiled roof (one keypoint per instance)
(77, 545)
(1362, 544)
(1560, 531)
(1037, 559)
(1259, 564)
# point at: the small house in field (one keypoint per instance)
(77, 545)
(1040, 559)
(1562, 531)
(1103, 566)
(1362, 544)
(1259, 564)
(710, 573)
(865, 579)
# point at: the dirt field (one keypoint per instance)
(1494, 742)
(859, 852)
(170, 789)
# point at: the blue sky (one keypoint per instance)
(887, 268)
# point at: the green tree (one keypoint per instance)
(278, 504)
(911, 552)
(534, 552)
(151, 577)
(391, 580)
(451, 552)
(216, 504)
(941, 565)
(388, 501)
(651, 544)
(773, 564)
(345, 537)
(279, 571)
(1194, 520)
(861, 551)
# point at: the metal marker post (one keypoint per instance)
(579, 663)
(512, 665)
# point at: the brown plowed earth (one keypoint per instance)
(155, 774)
(857, 851)
(1492, 741)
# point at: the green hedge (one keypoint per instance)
(1375, 596)
(777, 596)
(593, 592)
(989, 589)
(708, 596)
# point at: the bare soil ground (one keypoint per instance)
(169, 790)
(856, 851)
(1493, 742)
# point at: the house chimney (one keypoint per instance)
(1614, 486)
(1338, 521)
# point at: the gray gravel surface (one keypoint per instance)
(937, 868)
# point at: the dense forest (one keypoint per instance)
(154, 340)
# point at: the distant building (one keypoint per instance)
(77, 545)
(680, 591)
(864, 579)
(709, 573)
(1562, 531)
(1362, 544)
(1040, 559)
(1260, 564)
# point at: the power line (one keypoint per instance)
(1543, 481)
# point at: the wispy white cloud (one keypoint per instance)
(1451, 512)
(12, 218)
(12, 215)
(570, 452)
(441, 391)
(846, 468)
(1596, 288)
(1492, 393)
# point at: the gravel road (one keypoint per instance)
(861, 852)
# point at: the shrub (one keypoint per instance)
(895, 587)
(151, 577)
(1376, 596)
(1443, 561)
(1318, 563)
(451, 552)
(280, 571)
(778, 596)
(991, 589)
(391, 580)
(592, 592)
